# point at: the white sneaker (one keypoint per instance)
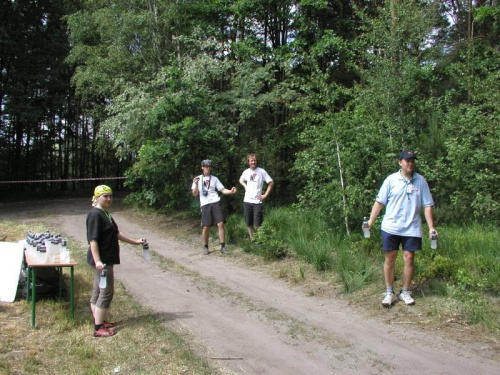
(389, 299)
(406, 298)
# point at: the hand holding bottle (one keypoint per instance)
(366, 227)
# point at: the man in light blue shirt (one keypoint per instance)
(403, 194)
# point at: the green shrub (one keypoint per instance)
(271, 246)
(441, 266)
(236, 230)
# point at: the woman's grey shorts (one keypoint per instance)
(102, 297)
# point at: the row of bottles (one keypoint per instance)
(47, 246)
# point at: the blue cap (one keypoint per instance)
(405, 154)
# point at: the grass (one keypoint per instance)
(58, 345)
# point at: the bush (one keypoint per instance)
(236, 230)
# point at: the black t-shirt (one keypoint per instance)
(105, 232)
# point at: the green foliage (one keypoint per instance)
(468, 257)
(487, 23)
(165, 168)
(270, 238)
(236, 230)
(354, 270)
(472, 134)
(440, 267)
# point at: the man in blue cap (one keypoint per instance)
(403, 194)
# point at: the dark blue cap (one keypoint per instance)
(405, 154)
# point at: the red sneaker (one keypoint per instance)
(103, 332)
(108, 325)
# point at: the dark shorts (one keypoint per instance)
(392, 242)
(102, 297)
(253, 214)
(211, 214)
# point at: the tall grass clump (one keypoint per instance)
(271, 240)
(236, 229)
(290, 231)
(307, 235)
(311, 239)
(355, 269)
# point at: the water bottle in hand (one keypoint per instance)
(103, 282)
(366, 228)
(434, 241)
(145, 250)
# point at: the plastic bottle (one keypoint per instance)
(366, 228)
(145, 250)
(103, 282)
(434, 241)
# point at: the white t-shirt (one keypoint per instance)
(254, 180)
(208, 187)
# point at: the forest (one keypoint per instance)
(326, 92)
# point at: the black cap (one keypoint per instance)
(206, 163)
(405, 154)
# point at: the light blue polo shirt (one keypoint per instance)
(403, 201)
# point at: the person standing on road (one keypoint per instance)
(206, 186)
(403, 193)
(103, 236)
(252, 179)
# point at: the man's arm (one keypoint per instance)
(194, 187)
(268, 190)
(229, 192)
(429, 217)
(377, 207)
(243, 183)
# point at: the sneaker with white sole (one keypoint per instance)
(205, 250)
(223, 250)
(389, 299)
(405, 296)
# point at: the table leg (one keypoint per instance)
(33, 296)
(28, 281)
(71, 294)
(59, 272)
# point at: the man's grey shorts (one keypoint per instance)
(253, 214)
(211, 214)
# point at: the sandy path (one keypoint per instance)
(249, 323)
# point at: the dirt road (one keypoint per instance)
(246, 322)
